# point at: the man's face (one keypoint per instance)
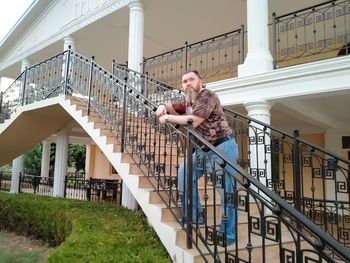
(191, 83)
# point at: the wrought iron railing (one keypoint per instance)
(267, 225)
(36, 83)
(96, 190)
(216, 58)
(5, 181)
(302, 174)
(35, 184)
(313, 33)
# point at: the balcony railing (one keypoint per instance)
(5, 181)
(313, 33)
(216, 58)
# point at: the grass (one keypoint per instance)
(82, 231)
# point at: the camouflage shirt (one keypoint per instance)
(207, 106)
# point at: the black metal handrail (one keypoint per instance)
(158, 151)
(216, 58)
(316, 32)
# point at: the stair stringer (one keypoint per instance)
(166, 233)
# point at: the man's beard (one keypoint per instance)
(191, 96)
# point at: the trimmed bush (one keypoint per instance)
(83, 231)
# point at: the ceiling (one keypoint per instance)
(167, 25)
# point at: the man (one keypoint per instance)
(204, 108)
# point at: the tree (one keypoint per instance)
(32, 160)
(76, 156)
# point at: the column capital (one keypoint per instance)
(258, 107)
(135, 4)
(68, 41)
(25, 63)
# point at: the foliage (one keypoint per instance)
(76, 156)
(85, 232)
(32, 160)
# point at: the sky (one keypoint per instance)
(10, 12)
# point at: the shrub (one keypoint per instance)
(83, 231)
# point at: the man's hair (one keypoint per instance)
(193, 71)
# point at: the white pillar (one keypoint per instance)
(136, 27)
(68, 41)
(45, 159)
(17, 168)
(87, 162)
(259, 141)
(61, 158)
(18, 163)
(128, 199)
(259, 59)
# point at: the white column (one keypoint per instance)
(136, 27)
(259, 59)
(87, 162)
(17, 168)
(68, 41)
(18, 163)
(128, 199)
(259, 141)
(61, 158)
(45, 159)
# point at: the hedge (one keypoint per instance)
(82, 231)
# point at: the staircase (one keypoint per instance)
(117, 111)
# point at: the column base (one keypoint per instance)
(257, 64)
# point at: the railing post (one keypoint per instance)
(65, 186)
(274, 40)
(189, 183)
(24, 86)
(122, 147)
(241, 45)
(143, 65)
(19, 182)
(146, 85)
(1, 95)
(121, 192)
(90, 83)
(296, 171)
(113, 66)
(297, 187)
(66, 74)
(186, 54)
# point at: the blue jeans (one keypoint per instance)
(230, 150)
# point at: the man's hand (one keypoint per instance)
(161, 110)
(163, 119)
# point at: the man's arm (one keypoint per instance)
(164, 109)
(180, 119)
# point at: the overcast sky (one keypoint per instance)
(10, 12)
